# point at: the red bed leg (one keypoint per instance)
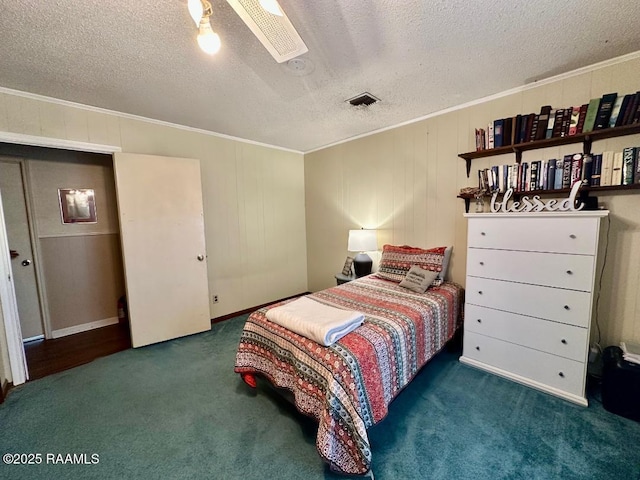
(249, 379)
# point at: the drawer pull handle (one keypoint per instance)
(482, 233)
(479, 292)
(569, 272)
(566, 307)
(563, 341)
(560, 374)
(478, 348)
(572, 236)
(481, 263)
(479, 320)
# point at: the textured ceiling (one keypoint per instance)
(419, 56)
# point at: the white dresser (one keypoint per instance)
(529, 297)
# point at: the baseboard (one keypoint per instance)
(63, 332)
(252, 309)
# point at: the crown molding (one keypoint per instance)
(129, 116)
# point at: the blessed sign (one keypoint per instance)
(535, 204)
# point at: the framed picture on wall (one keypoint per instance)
(77, 205)
(346, 270)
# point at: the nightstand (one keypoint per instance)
(340, 278)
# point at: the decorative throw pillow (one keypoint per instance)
(418, 279)
(396, 261)
(445, 264)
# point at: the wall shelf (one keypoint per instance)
(585, 138)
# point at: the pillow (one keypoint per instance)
(396, 261)
(445, 264)
(418, 279)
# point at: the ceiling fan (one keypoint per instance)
(265, 18)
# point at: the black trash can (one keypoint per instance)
(620, 384)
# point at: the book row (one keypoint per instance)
(609, 111)
(600, 169)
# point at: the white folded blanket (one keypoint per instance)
(316, 321)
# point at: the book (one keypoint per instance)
(557, 123)
(576, 168)
(494, 178)
(517, 126)
(636, 174)
(526, 175)
(582, 117)
(513, 171)
(607, 168)
(616, 170)
(626, 104)
(551, 174)
(490, 140)
(587, 169)
(528, 127)
(628, 165)
(615, 111)
(566, 121)
(501, 177)
(533, 182)
(497, 132)
(604, 111)
(573, 121)
(534, 128)
(557, 184)
(636, 116)
(551, 123)
(566, 171)
(507, 131)
(631, 108)
(597, 170)
(592, 111)
(543, 122)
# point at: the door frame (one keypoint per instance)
(10, 320)
(15, 347)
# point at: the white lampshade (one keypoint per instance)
(362, 241)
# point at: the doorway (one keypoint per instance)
(76, 270)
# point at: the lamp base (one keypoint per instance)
(362, 264)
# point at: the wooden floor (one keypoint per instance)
(45, 357)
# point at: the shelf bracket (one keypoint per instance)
(468, 160)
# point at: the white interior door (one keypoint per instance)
(15, 214)
(162, 231)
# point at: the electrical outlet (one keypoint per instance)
(215, 299)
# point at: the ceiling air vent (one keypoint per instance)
(363, 99)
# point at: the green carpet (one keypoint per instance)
(177, 410)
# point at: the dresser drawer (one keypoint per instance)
(556, 372)
(565, 306)
(539, 234)
(556, 338)
(550, 269)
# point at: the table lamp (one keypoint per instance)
(362, 241)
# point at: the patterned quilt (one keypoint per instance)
(348, 386)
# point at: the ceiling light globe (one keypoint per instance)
(208, 40)
(195, 10)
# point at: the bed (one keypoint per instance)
(349, 385)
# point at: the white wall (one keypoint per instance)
(404, 182)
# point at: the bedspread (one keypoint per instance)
(349, 385)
